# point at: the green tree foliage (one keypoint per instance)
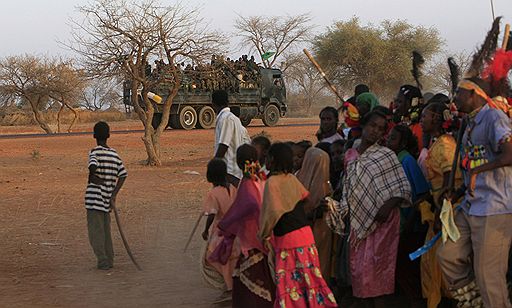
(379, 56)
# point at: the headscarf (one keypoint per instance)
(368, 98)
(496, 103)
(314, 175)
(281, 194)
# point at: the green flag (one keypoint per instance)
(267, 55)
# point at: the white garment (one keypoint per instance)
(332, 138)
(230, 132)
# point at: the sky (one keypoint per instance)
(36, 26)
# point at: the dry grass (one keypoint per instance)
(19, 117)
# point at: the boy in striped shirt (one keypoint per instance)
(106, 177)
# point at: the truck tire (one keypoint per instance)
(246, 121)
(270, 115)
(157, 119)
(206, 118)
(187, 118)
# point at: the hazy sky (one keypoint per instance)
(35, 26)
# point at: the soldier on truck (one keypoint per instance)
(255, 92)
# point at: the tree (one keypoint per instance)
(65, 83)
(41, 82)
(379, 56)
(120, 38)
(273, 34)
(302, 76)
(100, 94)
(24, 78)
(438, 74)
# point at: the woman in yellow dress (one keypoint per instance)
(438, 165)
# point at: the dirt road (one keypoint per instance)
(45, 257)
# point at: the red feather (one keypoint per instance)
(498, 67)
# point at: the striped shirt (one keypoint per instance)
(109, 168)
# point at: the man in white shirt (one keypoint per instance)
(229, 135)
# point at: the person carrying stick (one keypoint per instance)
(107, 175)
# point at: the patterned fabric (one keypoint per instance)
(482, 142)
(253, 285)
(109, 168)
(299, 280)
(373, 178)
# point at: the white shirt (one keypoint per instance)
(332, 138)
(230, 132)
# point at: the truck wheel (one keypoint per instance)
(188, 117)
(157, 119)
(206, 118)
(270, 115)
(246, 121)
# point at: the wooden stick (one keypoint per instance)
(329, 83)
(460, 135)
(506, 37)
(125, 242)
(193, 231)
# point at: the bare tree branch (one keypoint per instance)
(277, 34)
(122, 38)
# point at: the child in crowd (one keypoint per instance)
(252, 281)
(299, 150)
(337, 154)
(402, 141)
(106, 177)
(262, 144)
(293, 252)
(215, 206)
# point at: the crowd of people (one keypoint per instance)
(410, 202)
(404, 205)
(220, 73)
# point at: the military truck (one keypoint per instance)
(192, 107)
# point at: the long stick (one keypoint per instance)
(506, 37)
(460, 134)
(492, 9)
(321, 71)
(125, 242)
(193, 231)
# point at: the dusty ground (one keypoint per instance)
(45, 258)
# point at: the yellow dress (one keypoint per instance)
(439, 161)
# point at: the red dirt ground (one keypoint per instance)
(46, 259)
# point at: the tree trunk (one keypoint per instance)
(152, 144)
(74, 119)
(39, 117)
(151, 137)
(58, 117)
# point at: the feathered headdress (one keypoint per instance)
(496, 73)
(485, 52)
(417, 63)
(454, 74)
